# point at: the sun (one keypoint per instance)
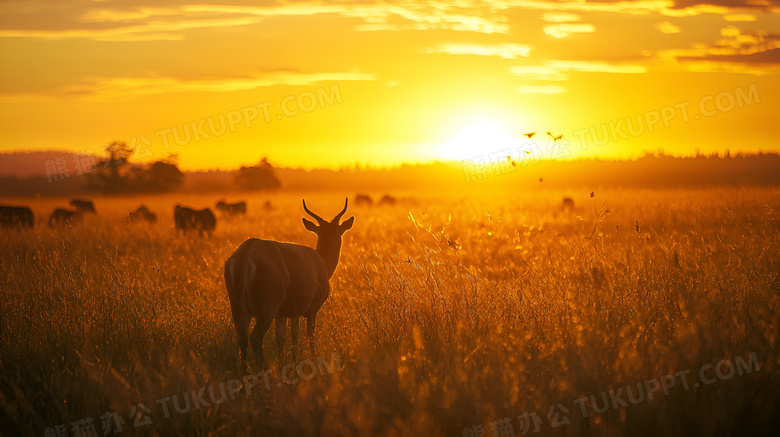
(476, 138)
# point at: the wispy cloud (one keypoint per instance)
(125, 88)
(755, 53)
(718, 66)
(506, 51)
(158, 29)
(667, 28)
(542, 89)
(734, 42)
(408, 15)
(597, 67)
(555, 70)
(99, 21)
(565, 29)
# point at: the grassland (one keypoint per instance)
(447, 313)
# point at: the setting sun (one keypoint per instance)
(477, 138)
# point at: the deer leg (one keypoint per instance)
(294, 336)
(281, 332)
(242, 327)
(262, 325)
(310, 324)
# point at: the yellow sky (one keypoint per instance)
(223, 83)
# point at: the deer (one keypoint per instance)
(187, 219)
(231, 209)
(275, 281)
(83, 206)
(363, 199)
(62, 217)
(141, 214)
(16, 216)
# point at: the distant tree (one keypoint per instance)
(108, 175)
(258, 177)
(164, 176)
(115, 174)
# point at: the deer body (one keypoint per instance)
(270, 280)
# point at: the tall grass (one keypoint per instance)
(446, 312)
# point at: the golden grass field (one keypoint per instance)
(447, 312)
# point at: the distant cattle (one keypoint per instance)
(13, 216)
(568, 203)
(83, 205)
(232, 208)
(388, 200)
(363, 200)
(64, 217)
(187, 219)
(141, 214)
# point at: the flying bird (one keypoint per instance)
(592, 194)
(541, 180)
(559, 137)
(530, 135)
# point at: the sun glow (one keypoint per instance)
(478, 137)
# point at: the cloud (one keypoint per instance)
(140, 25)
(566, 29)
(771, 56)
(145, 20)
(124, 88)
(397, 16)
(673, 8)
(718, 66)
(755, 53)
(733, 4)
(667, 28)
(542, 89)
(506, 51)
(597, 67)
(142, 21)
(555, 70)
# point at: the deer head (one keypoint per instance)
(329, 235)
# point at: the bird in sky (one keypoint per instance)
(559, 137)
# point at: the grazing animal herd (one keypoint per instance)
(366, 200)
(185, 219)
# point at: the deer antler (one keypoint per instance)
(318, 218)
(338, 216)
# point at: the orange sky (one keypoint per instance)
(333, 83)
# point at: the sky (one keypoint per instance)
(220, 84)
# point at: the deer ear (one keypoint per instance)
(347, 224)
(309, 225)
